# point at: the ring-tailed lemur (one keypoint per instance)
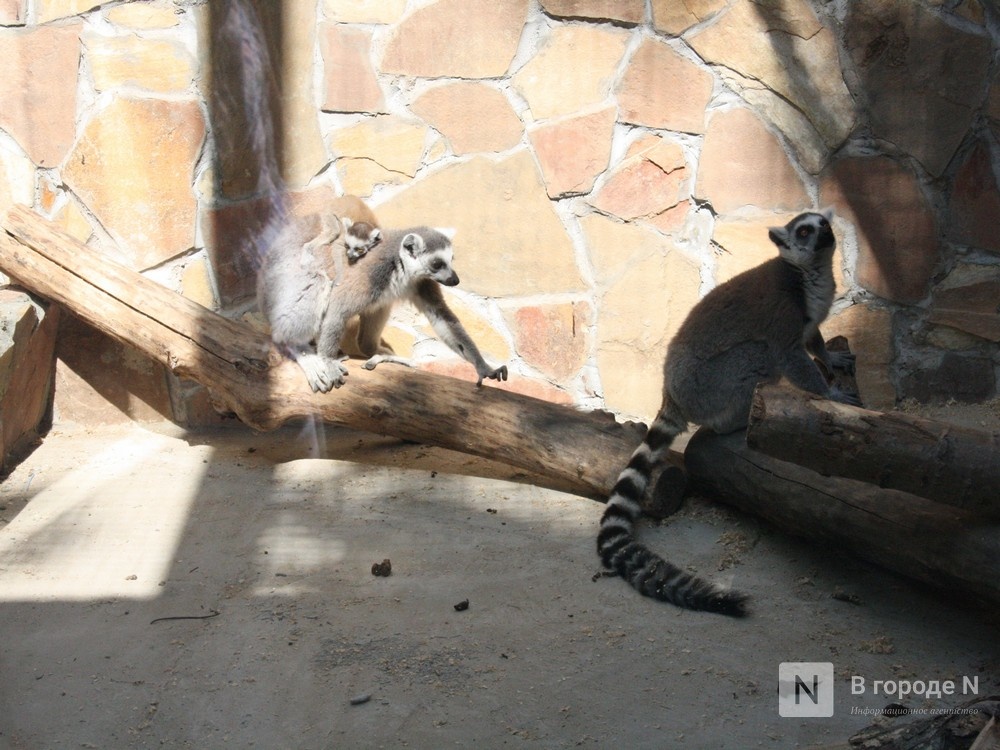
(361, 227)
(756, 327)
(308, 294)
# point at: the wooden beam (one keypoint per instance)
(943, 462)
(581, 451)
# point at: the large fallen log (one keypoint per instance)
(580, 451)
(943, 462)
(948, 548)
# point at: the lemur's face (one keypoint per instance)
(805, 238)
(428, 253)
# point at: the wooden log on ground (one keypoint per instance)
(940, 461)
(580, 451)
(946, 547)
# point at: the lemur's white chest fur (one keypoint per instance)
(818, 287)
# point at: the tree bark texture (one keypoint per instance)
(943, 462)
(944, 546)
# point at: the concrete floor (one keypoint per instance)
(103, 531)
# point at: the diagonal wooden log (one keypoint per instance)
(943, 462)
(580, 451)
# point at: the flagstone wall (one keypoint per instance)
(604, 162)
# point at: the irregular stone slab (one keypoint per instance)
(472, 116)
(159, 14)
(572, 152)
(575, 70)
(50, 10)
(17, 175)
(646, 184)
(662, 89)
(869, 332)
(786, 48)
(469, 39)
(646, 287)
(350, 83)
(13, 12)
(744, 244)
(394, 143)
(968, 299)
(133, 166)
(743, 164)
(674, 18)
(39, 99)
(154, 65)
(503, 220)
(922, 77)
(364, 11)
(975, 202)
(969, 379)
(552, 338)
(898, 248)
(622, 11)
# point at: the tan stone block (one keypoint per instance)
(74, 222)
(509, 239)
(472, 116)
(975, 202)
(625, 11)
(927, 74)
(744, 244)
(469, 39)
(361, 176)
(350, 83)
(898, 247)
(38, 90)
(393, 143)
(160, 14)
(133, 167)
(671, 220)
(785, 47)
(50, 10)
(572, 152)
(552, 338)
(674, 18)
(614, 246)
(637, 317)
(17, 178)
(662, 89)
(196, 284)
(154, 65)
(743, 164)
(13, 12)
(574, 71)
(645, 185)
(869, 333)
(363, 11)
(967, 300)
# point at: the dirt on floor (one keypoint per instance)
(163, 589)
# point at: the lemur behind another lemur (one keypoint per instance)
(308, 294)
(361, 227)
(757, 327)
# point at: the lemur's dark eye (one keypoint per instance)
(804, 232)
(437, 265)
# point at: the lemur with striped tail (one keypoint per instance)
(757, 327)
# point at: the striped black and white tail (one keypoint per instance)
(649, 573)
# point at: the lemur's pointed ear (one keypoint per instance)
(778, 235)
(412, 244)
(448, 232)
(827, 213)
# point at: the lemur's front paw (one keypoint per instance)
(323, 374)
(498, 374)
(842, 362)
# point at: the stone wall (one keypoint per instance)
(605, 163)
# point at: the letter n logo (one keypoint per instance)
(805, 689)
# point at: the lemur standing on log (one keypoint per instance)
(308, 295)
(757, 327)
